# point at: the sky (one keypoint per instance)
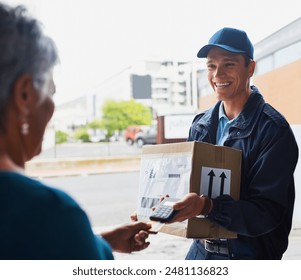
(97, 39)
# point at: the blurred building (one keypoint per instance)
(278, 73)
(82, 110)
(169, 86)
(165, 86)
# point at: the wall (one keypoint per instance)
(281, 88)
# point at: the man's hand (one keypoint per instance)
(134, 216)
(128, 238)
(189, 206)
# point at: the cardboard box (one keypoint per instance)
(179, 168)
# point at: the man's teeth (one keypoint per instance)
(222, 84)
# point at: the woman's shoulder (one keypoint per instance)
(53, 225)
(29, 190)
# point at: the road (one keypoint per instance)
(108, 199)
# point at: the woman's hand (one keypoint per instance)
(128, 238)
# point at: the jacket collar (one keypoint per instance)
(247, 117)
(251, 110)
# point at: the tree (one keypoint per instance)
(81, 134)
(118, 115)
(96, 124)
(60, 137)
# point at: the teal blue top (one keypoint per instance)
(38, 222)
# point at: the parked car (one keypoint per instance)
(148, 136)
(131, 131)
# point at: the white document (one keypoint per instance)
(162, 174)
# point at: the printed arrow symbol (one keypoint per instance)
(211, 175)
(223, 177)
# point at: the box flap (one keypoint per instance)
(178, 229)
(168, 148)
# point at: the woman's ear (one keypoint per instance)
(22, 93)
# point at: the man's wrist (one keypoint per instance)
(207, 205)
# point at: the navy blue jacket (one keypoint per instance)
(262, 216)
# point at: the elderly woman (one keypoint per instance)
(36, 221)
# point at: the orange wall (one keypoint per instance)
(206, 102)
(281, 88)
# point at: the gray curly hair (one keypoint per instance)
(24, 48)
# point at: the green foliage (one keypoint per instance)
(118, 115)
(81, 134)
(60, 136)
(96, 124)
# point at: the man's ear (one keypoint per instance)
(251, 66)
(22, 93)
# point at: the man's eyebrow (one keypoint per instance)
(230, 58)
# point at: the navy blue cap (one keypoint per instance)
(230, 39)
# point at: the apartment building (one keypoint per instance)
(169, 85)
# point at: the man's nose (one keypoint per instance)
(219, 71)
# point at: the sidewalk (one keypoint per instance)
(45, 168)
